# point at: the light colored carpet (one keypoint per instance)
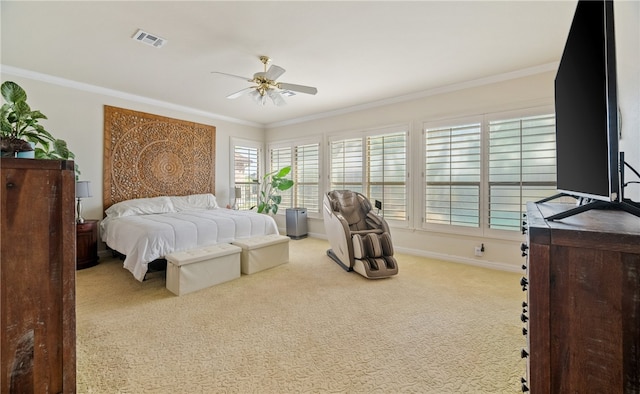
(303, 327)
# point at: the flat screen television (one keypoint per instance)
(588, 161)
(586, 106)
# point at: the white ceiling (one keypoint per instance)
(355, 53)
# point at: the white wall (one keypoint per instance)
(76, 116)
(627, 23)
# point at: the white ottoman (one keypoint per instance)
(196, 269)
(264, 252)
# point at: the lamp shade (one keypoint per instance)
(83, 189)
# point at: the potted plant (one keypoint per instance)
(20, 131)
(272, 184)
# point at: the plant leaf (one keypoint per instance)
(12, 92)
(283, 172)
(285, 184)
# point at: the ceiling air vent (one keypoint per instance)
(149, 39)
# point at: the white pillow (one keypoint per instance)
(141, 206)
(194, 201)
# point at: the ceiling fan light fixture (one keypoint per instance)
(266, 85)
(276, 97)
(259, 97)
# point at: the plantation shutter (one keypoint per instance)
(346, 165)
(279, 158)
(386, 170)
(246, 172)
(453, 175)
(522, 167)
(306, 175)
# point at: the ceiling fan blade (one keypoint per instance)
(233, 75)
(274, 72)
(240, 93)
(297, 88)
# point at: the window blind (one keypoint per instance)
(246, 165)
(453, 175)
(386, 171)
(522, 167)
(346, 165)
(279, 158)
(374, 165)
(306, 175)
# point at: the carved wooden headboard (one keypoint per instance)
(148, 155)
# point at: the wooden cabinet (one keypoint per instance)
(583, 301)
(37, 276)
(86, 244)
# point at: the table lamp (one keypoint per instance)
(83, 190)
(238, 196)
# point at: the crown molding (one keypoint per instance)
(422, 94)
(10, 70)
(19, 72)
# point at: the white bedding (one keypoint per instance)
(143, 238)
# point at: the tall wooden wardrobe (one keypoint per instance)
(37, 276)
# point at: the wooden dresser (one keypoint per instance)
(582, 314)
(37, 276)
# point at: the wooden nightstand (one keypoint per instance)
(86, 244)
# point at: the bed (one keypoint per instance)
(159, 190)
(145, 230)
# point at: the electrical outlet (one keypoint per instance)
(478, 251)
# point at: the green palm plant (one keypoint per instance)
(272, 184)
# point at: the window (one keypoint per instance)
(280, 158)
(347, 165)
(386, 173)
(519, 164)
(374, 165)
(304, 159)
(306, 175)
(522, 167)
(453, 174)
(246, 172)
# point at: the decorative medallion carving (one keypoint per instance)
(148, 155)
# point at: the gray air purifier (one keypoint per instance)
(296, 222)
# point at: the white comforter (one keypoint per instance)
(144, 238)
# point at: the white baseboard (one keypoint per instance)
(496, 265)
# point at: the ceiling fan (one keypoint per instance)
(267, 86)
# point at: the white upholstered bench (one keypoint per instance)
(196, 269)
(264, 252)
